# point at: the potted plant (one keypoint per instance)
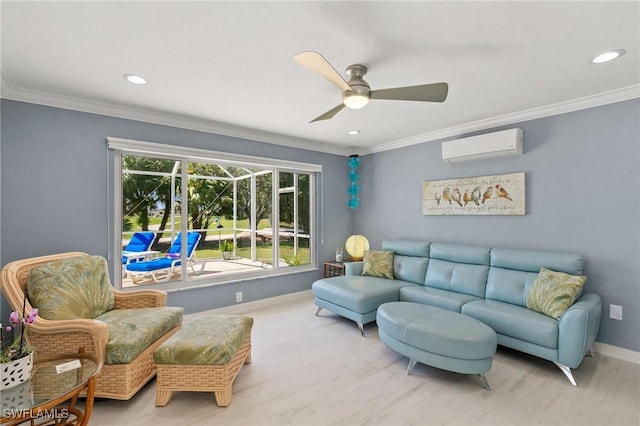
(227, 247)
(16, 356)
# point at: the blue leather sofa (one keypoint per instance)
(488, 284)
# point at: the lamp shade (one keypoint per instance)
(356, 245)
(355, 101)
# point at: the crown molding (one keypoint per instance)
(613, 96)
(11, 92)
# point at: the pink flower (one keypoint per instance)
(13, 344)
(14, 318)
(31, 317)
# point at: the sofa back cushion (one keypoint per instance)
(75, 287)
(513, 272)
(458, 268)
(410, 259)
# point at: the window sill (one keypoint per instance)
(197, 283)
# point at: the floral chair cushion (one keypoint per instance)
(76, 287)
(207, 340)
(131, 331)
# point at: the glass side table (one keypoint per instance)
(49, 397)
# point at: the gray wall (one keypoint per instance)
(582, 189)
(582, 196)
(54, 186)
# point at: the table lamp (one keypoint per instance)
(356, 245)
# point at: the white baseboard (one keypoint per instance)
(617, 352)
(240, 308)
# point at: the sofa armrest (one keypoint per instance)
(52, 337)
(139, 299)
(353, 268)
(578, 329)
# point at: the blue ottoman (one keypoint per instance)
(437, 337)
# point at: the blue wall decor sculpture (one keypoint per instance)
(354, 188)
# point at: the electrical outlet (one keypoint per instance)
(239, 297)
(615, 312)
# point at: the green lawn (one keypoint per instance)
(227, 225)
(263, 254)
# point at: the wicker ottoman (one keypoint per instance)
(204, 356)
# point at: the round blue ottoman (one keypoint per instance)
(437, 337)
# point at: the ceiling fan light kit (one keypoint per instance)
(358, 95)
(356, 92)
(355, 101)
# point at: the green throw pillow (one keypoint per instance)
(552, 293)
(378, 263)
(75, 287)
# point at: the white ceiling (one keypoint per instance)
(228, 67)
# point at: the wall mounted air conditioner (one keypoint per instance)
(489, 145)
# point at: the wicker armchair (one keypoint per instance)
(51, 337)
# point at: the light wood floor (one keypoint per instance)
(311, 370)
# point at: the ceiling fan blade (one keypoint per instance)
(436, 92)
(329, 114)
(317, 63)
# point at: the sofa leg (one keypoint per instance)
(484, 382)
(412, 363)
(589, 353)
(361, 327)
(567, 372)
(318, 311)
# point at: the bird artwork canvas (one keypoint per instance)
(481, 195)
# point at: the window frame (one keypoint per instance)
(121, 147)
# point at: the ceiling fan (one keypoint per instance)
(356, 92)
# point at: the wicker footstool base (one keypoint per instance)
(202, 378)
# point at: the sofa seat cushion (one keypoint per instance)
(131, 331)
(515, 321)
(207, 340)
(444, 299)
(358, 293)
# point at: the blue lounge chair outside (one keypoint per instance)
(140, 242)
(168, 264)
(137, 248)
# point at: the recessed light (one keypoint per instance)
(608, 56)
(135, 79)
(353, 132)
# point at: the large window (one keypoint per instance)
(215, 217)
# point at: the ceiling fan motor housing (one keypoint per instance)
(356, 82)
